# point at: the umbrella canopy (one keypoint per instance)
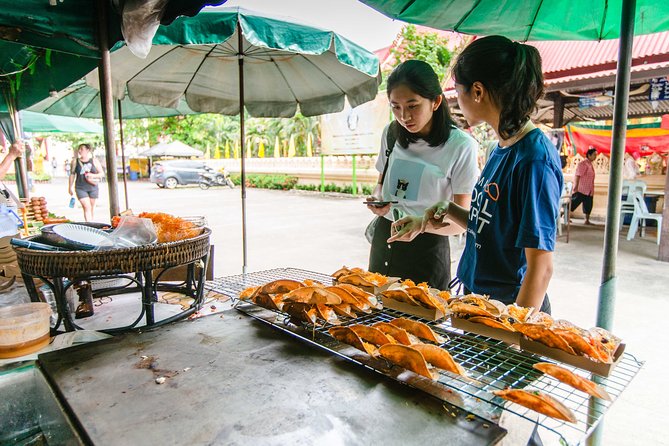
(233, 60)
(174, 148)
(83, 101)
(41, 123)
(528, 19)
(286, 64)
(27, 75)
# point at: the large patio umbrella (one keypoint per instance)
(83, 101)
(235, 60)
(33, 122)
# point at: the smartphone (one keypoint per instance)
(380, 204)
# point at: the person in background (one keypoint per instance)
(584, 184)
(630, 167)
(512, 223)
(431, 160)
(85, 174)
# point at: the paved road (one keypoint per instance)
(322, 233)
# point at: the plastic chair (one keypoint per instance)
(630, 187)
(641, 214)
(565, 208)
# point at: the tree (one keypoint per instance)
(430, 47)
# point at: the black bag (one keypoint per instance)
(391, 137)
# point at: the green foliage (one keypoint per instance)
(287, 182)
(210, 130)
(35, 176)
(429, 47)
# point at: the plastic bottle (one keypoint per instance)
(9, 222)
(72, 202)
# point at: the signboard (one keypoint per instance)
(659, 89)
(355, 131)
(595, 100)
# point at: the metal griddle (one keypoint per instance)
(233, 380)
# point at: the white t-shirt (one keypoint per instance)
(420, 176)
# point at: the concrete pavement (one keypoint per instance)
(322, 233)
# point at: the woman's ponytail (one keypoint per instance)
(510, 71)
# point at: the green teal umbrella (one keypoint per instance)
(41, 123)
(529, 19)
(27, 74)
(83, 101)
(233, 59)
(285, 64)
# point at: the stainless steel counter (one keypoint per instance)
(232, 380)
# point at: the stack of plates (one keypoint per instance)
(83, 237)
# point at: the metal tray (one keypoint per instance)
(491, 364)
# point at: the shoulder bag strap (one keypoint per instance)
(391, 138)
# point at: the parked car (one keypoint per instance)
(171, 173)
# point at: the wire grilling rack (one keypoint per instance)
(490, 364)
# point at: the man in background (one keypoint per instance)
(584, 184)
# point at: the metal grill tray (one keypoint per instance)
(490, 364)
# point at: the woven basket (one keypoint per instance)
(112, 261)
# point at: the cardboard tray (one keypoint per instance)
(431, 314)
(528, 345)
(510, 337)
(376, 290)
(581, 362)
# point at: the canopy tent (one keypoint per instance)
(234, 60)
(174, 148)
(41, 123)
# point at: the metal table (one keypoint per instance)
(233, 380)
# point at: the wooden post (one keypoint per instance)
(107, 105)
(558, 110)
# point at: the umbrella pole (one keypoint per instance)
(607, 288)
(107, 105)
(120, 127)
(241, 140)
(20, 165)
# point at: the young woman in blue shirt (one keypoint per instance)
(511, 225)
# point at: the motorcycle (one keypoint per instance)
(210, 178)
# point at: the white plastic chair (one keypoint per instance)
(565, 208)
(630, 187)
(641, 214)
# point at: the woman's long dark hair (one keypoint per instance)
(510, 71)
(420, 78)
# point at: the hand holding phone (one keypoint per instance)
(379, 203)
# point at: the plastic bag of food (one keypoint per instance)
(134, 231)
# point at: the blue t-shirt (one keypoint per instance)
(515, 205)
